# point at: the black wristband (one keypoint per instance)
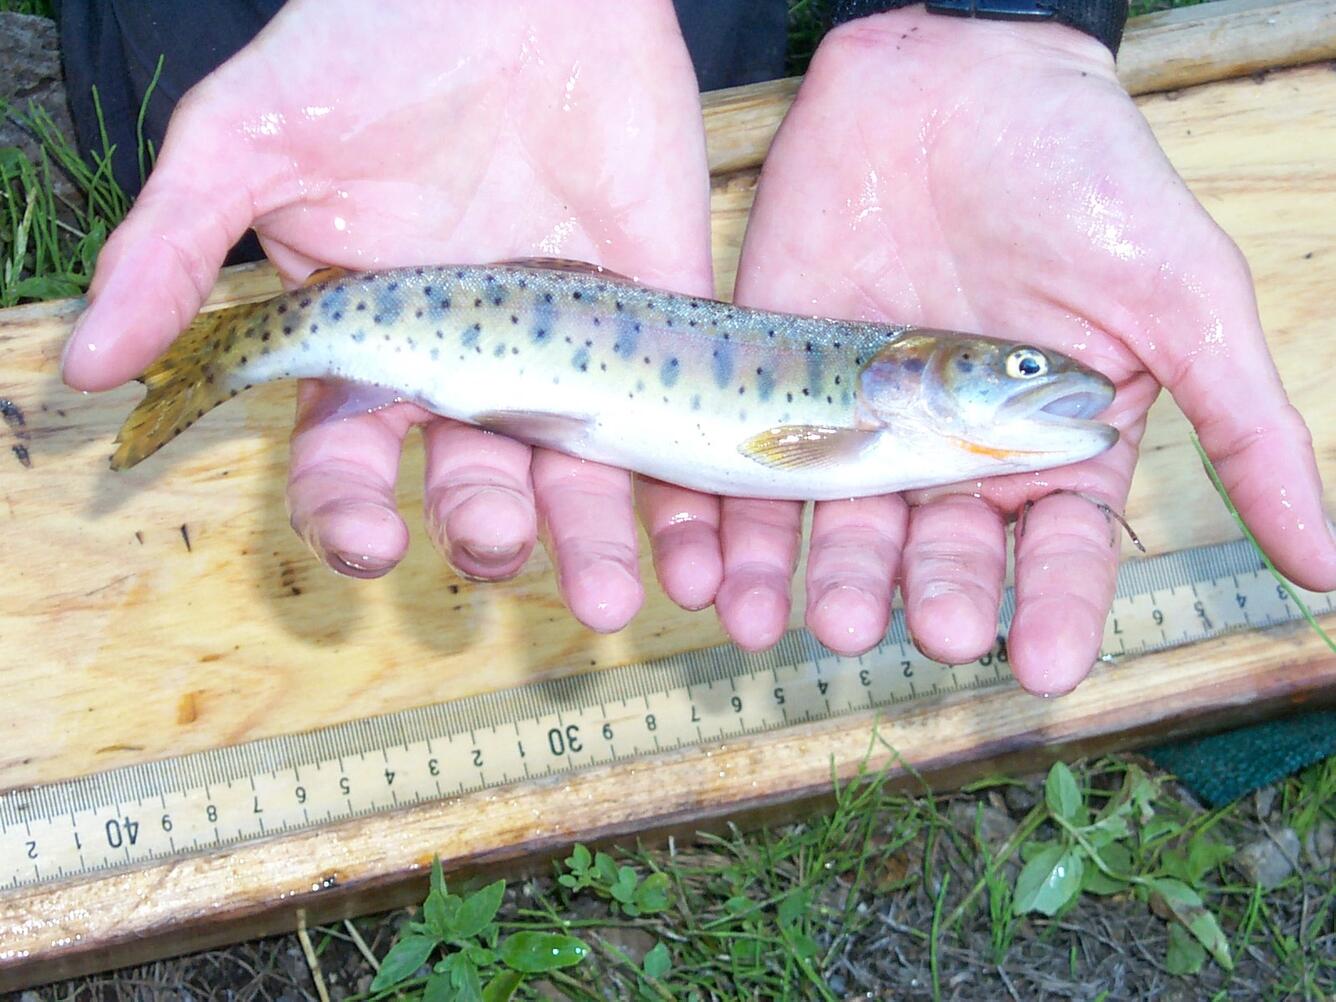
(1101, 19)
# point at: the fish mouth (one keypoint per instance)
(1052, 420)
(1065, 401)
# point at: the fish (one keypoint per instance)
(692, 391)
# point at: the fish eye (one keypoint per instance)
(1026, 363)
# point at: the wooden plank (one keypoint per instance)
(196, 902)
(125, 651)
(121, 650)
(1172, 49)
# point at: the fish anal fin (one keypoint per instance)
(805, 446)
(566, 264)
(561, 432)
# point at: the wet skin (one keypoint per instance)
(452, 134)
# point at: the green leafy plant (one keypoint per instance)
(600, 873)
(1094, 854)
(463, 933)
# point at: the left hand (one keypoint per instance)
(993, 177)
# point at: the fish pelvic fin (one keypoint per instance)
(805, 446)
(184, 383)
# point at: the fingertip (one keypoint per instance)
(356, 538)
(604, 595)
(950, 627)
(689, 564)
(848, 619)
(754, 608)
(1052, 647)
(488, 535)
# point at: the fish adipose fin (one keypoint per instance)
(805, 446)
(561, 432)
(183, 385)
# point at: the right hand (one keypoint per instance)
(370, 136)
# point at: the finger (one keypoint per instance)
(587, 519)
(759, 541)
(683, 529)
(159, 264)
(1066, 568)
(479, 502)
(341, 484)
(851, 570)
(1226, 383)
(955, 565)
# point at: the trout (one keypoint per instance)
(695, 392)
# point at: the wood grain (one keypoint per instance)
(124, 650)
(1169, 50)
(170, 609)
(259, 887)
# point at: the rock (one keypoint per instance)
(1262, 801)
(635, 943)
(30, 71)
(1269, 861)
(994, 826)
(1021, 798)
(1320, 846)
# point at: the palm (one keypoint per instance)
(969, 177)
(416, 133)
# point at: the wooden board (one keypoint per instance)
(122, 644)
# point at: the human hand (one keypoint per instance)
(374, 136)
(994, 177)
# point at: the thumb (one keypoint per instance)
(159, 264)
(1225, 380)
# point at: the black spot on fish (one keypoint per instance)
(477, 302)
(361, 307)
(547, 297)
(282, 308)
(806, 392)
(669, 371)
(440, 335)
(576, 294)
(338, 316)
(837, 380)
(618, 304)
(742, 390)
(514, 351)
(496, 300)
(243, 359)
(417, 314)
(597, 322)
(514, 319)
(808, 346)
(305, 302)
(647, 360)
(789, 396)
(770, 333)
(287, 330)
(265, 336)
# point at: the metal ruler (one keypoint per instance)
(208, 800)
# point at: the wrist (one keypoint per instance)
(1101, 20)
(907, 31)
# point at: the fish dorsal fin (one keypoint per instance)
(805, 446)
(325, 275)
(566, 264)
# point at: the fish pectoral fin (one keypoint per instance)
(566, 264)
(561, 432)
(339, 399)
(805, 446)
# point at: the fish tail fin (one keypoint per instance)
(187, 381)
